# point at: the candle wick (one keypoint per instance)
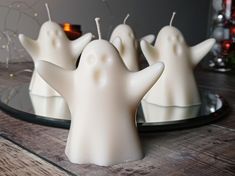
(172, 18)
(125, 19)
(98, 27)
(48, 12)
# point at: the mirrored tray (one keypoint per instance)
(53, 111)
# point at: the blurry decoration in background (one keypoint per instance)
(223, 30)
(14, 17)
(73, 31)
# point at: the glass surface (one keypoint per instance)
(53, 111)
(20, 99)
(153, 113)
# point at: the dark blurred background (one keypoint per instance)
(146, 16)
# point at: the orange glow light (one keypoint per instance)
(67, 27)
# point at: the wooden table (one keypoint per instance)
(203, 151)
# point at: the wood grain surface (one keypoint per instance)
(15, 161)
(203, 151)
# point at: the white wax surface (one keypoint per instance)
(102, 96)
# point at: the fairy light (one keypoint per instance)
(9, 36)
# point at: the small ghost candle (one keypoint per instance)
(177, 86)
(124, 39)
(53, 46)
(102, 96)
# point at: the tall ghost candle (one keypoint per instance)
(53, 46)
(102, 96)
(177, 85)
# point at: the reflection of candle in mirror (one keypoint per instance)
(154, 113)
(73, 31)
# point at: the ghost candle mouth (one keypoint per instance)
(99, 77)
(176, 48)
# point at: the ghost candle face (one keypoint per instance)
(124, 39)
(102, 96)
(126, 34)
(52, 34)
(101, 66)
(171, 42)
(53, 46)
(177, 86)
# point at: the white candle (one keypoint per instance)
(177, 86)
(53, 46)
(102, 96)
(124, 39)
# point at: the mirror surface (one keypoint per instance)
(53, 111)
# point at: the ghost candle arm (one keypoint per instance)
(79, 44)
(117, 42)
(200, 50)
(30, 45)
(149, 38)
(143, 80)
(56, 76)
(149, 52)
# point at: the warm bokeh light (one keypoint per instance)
(67, 27)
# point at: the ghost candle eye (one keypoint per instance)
(56, 32)
(131, 34)
(180, 38)
(91, 60)
(105, 60)
(170, 39)
(48, 33)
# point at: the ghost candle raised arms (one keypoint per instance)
(124, 39)
(53, 46)
(102, 96)
(177, 85)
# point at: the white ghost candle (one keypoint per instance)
(102, 96)
(53, 46)
(124, 39)
(177, 86)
